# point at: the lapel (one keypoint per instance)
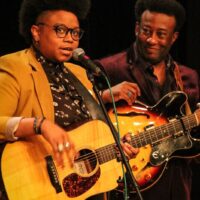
(42, 89)
(92, 105)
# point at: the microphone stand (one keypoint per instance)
(114, 133)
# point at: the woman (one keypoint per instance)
(52, 29)
(37, 88)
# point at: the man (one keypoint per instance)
(146, 72)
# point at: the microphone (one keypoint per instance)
(79, 55)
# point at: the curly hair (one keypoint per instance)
(168, 7)
(31, 9)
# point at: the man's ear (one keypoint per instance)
(175, 36)
(137, 28)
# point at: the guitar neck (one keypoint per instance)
(153, 135)
(171, 129)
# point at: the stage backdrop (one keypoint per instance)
(109, 28)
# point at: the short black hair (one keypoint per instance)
(168, 7)
(31, 9)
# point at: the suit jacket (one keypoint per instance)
(24, 87)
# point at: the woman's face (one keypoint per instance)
(49, 34)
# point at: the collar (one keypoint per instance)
(134, 57)
(46, 63)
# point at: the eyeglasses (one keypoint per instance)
(62, 31)
(149, 32)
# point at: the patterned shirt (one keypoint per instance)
(69, 107)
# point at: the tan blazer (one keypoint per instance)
(24, 87)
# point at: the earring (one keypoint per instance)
(36, 43)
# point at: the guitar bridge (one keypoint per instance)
(53, 175)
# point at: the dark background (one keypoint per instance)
(109, 28)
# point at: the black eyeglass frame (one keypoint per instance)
(73, 31)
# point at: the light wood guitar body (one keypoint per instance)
(25, 175)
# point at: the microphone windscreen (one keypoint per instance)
(77, 53)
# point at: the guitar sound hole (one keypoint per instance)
(86, 162)
(78, 183)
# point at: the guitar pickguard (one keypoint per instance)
(75, 185)
(86, 176)
(163, 151)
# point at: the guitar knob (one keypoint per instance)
(147, 177)
(134, 168)
(198, 105)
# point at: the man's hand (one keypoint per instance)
(129, 150)
(125, 90)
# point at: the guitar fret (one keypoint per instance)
(142, 140)
(165, 131)
(187, 123)
(153, 135)
(162, 132)
(106, 153)
(134, 141)
(194, 122)
(169, 129)
(190, 121)
(156, 135)
(179, 126)
(139, 140)
(175, 126)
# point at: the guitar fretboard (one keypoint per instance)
(153, 135)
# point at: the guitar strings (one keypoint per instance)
(109, 152)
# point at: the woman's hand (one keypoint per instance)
(125, 90)
(60, 142)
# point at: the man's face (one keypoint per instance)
(155, 36)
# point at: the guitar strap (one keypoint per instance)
(94, 109)
(180, 84)
(92, 105)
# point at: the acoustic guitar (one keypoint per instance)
(29, 170)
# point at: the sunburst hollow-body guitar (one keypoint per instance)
(161, 132)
